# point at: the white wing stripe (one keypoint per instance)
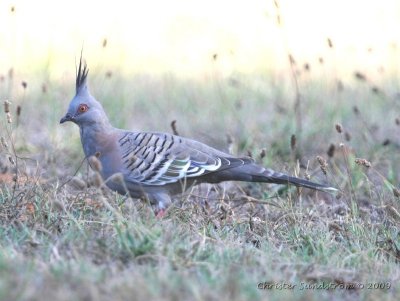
(213, 167)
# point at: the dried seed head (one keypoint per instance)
(306, 67)
(7, 106)
(95, 163)
(11, 73)
(97, 180)
(24, 84)
(363, 162)
(331, 150)
(291, 59)
(356, 111)
(263, 153)
(97, 154)
(278, 19)
(12, 9)
(78, 183)
(339, 128)
(396, 192)
(361, 77)
(386, 142)
(109, 74)
(397, 121)
(347, 136)
(117, 178)
(249, 153)
(44, 88)
(375, 90)
(340, 85)
(18, 111)
(321, 60)
(104, 43)
(215, 56)
(293, 142)
(9, 119)
(323, 164)
(329, 41)
(173, 126)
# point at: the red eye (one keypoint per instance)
(82, 108)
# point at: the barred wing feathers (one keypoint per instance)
(159, 159)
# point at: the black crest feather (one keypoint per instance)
(81, 74)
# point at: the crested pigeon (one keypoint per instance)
(157, 165)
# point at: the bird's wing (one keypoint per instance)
(159, 159)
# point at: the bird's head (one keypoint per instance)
(84, 109)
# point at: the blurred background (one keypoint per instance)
(254, 65)
(181, 36)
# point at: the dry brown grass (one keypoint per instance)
(65, 236)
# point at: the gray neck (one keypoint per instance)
(94, 136)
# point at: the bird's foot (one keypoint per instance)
(160, 213)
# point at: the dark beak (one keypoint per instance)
(66, 118)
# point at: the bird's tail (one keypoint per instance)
(248, 171)
(270, 176)
(251, 172)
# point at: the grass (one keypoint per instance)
(71, 240)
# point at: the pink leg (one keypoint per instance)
(160, 213)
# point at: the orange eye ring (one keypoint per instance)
(82, 108)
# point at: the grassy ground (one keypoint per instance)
(62, 237)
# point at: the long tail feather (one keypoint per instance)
(270, 176)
